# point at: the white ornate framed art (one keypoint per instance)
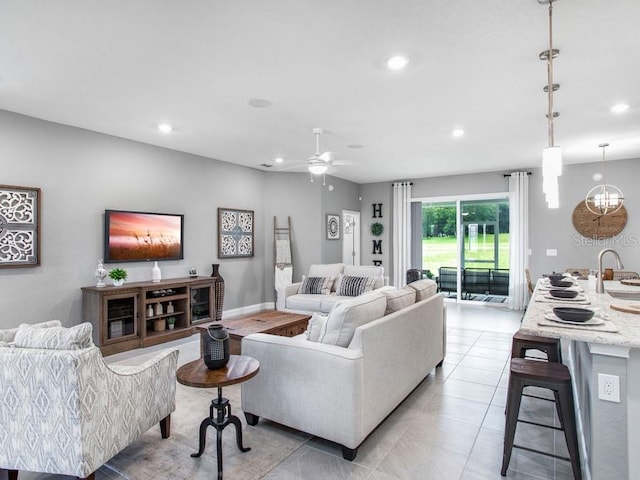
(19, 226)
(235, 233)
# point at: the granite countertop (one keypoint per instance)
(618, 328)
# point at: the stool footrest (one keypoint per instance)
(540, 425)
(541, 452)
(539, 398)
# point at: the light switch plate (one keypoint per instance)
(552, 252)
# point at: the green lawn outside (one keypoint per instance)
(441, 252)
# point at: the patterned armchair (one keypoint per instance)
(63, 410)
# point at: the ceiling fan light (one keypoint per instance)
(318, 169)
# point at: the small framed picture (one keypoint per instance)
(333, 226)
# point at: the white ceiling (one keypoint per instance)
(122, 66)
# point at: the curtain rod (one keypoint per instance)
(393, 183)
(508, 174)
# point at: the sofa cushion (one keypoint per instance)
(313, 303)
(398, 298)
(7, 336)
(424, 288)
(316, 285)
(366, 271)
(54, 338)
(353, 286)
(316, 327)
(348, 315)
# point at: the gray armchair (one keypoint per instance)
(63, 410)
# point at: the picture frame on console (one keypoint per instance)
(19, 226)
(333, 226)
(235, 233)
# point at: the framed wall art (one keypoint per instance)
(235, 233)
(19, 226)
(333, 226)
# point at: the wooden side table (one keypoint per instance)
(196, 374)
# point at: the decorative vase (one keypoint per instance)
(118, 283)
(170, 308)
(156, 274)
(159, 325)
(216, 347)
(101, 274)
(218, 290)
(150, 311)
(171, 325)
(159, 309)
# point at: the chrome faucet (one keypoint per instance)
(619, 266)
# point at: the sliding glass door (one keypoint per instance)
(465, 246)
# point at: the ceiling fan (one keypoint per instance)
(319, 163)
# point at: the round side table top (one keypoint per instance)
(239, 369)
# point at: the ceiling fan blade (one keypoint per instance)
(328, 156)
(295, 166)
(345, 162)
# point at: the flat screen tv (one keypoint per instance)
(142, 236)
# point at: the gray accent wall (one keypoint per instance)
(548, 229)
(82, 173)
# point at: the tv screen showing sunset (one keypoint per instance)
(135, 236)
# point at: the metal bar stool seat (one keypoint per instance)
(552, 376)
(551, 346)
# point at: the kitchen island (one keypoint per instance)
(610, 444)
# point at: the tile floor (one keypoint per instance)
(450, 427)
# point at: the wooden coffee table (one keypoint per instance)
(284, 324)
(196, 374)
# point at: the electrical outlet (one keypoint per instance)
(609, 387)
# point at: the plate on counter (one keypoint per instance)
(579, 298)
(594, 321)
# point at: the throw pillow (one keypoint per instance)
(399, 298)
(424, 289)
(347, 315)
(54, 338)
(316, 285)
(366, 271)
(349, 286)
(316, 327)
(7, 336)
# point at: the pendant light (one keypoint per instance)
(604, 199)
(552, 155)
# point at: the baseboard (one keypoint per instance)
(236, 312)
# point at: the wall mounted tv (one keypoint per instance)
(142, 236)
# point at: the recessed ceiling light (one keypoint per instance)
(165, 128)
(278, 160)
(458, 132)
(397, 63)
(619, 108)
(259, 103)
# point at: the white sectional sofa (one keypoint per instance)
(288, 298)
(370, 352)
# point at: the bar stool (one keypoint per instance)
(552, 376)
(551, 346)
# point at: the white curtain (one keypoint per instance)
(401, 232)
(518, 239)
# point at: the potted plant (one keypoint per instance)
(118, 275)
(171, 322)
